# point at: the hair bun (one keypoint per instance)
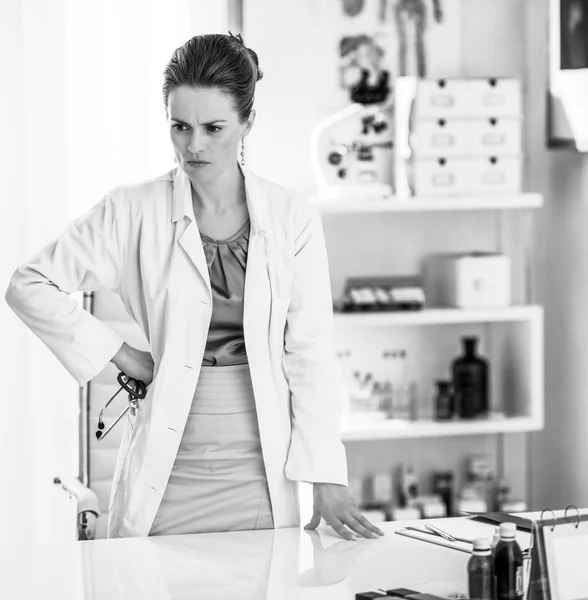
(256, 61)
(238, 38)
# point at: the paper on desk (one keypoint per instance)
(465, 529)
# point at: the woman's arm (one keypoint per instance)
(316, 452)
(87, 256)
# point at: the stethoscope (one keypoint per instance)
(136, 390)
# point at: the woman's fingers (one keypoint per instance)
(365, 523)
(354, 524)
(340, 528)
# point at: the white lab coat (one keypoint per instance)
(142, 242)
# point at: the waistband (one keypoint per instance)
(222, 390)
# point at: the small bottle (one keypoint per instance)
(481, 571)
(502, 493)
(443, 401)
(508, 564)
(495, 538)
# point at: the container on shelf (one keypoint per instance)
(470, 378)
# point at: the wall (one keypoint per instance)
(561, 249)
(296, 44)
(14, 425)
(84, 114)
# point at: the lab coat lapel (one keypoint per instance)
(190, 238)
(257, 256)
(192, 244)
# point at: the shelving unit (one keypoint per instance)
(514, 330)
(437, 316)
(428, 204)
(394, 429)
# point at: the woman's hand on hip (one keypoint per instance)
(135, 363)
(336, 506)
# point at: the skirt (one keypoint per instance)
(218, 481)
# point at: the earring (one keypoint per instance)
(242, 152)
(175, 159)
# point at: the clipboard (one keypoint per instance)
(558, 564)
(496, 518)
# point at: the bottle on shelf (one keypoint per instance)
(443, 401)
(481, 571)
(508, 564)
(443, 486)
(470, 378)
(502, 493)
(404, 396)
(408, 485)
(401, 408)
(390, 366)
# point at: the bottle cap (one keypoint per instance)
(508, 531)
(481, 545)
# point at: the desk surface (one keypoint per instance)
(273, 564)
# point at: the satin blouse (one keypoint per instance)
(226, 260)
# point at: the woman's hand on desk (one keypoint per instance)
(135, 363)
(336, 506)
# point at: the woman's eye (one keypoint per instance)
(179, 127)
(213, 128)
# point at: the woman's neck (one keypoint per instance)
(222, 193)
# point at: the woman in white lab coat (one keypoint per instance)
(226, 273)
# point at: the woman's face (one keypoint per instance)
(205, 131)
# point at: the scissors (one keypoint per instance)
(136, 390)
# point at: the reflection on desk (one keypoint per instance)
(266, 564)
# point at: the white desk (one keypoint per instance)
(286, 563)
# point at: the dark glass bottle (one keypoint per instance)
(508, 564)
(444, 407)
(481, 571)
(470, 374)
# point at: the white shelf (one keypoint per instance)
(438, 316)
(428, 204)
(394, 429)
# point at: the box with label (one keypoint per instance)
(494, 137)
(432, 138)
(476, 280)
(495, 175)
(439, 177)
(494, 97)
(441, 99)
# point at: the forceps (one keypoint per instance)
(136, 390)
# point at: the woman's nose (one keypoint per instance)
(196, 143)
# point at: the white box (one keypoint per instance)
(432, 138)
(476, 280)
(441, 99)
(494, 97)
(494, 137)
(440, 177)
(494, 175)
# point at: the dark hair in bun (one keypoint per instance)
(216, 61)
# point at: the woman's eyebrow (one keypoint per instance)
(209, 123)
